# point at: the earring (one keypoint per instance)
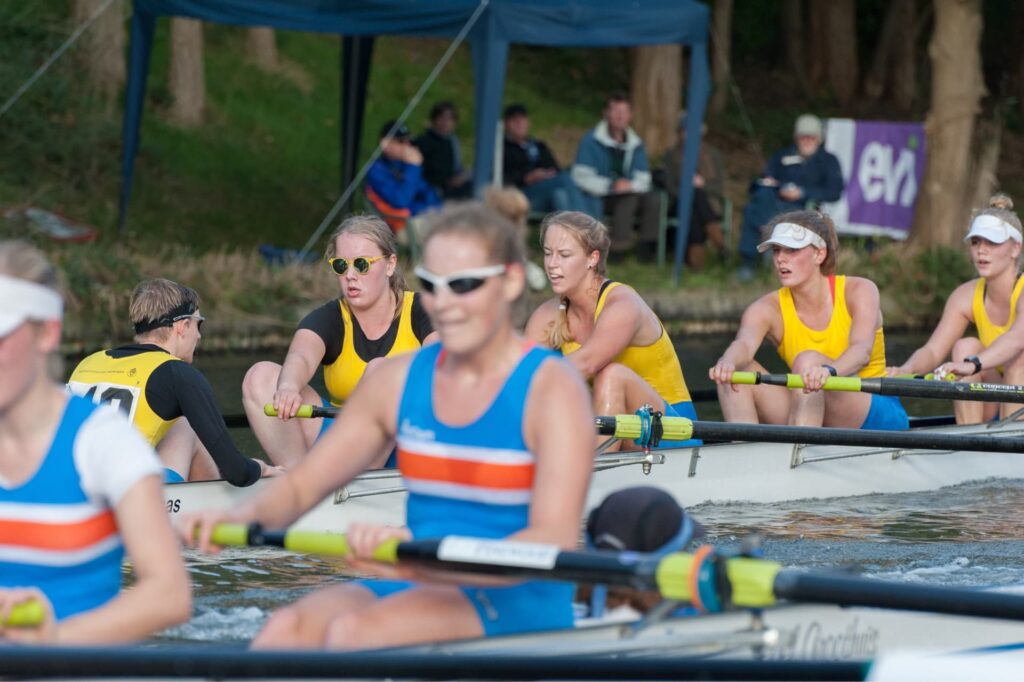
(590, 266)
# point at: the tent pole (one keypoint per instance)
(356, 56)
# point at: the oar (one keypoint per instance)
(633, 427)
(27, 614)
(703, 578)
(901, 387)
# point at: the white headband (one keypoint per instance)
(21, 300)
(993, 228)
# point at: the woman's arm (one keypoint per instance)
(304, 355)
(1003, 350)
(956, 315)
(755, 325)
(618, 324)
(540, 320)
(161, 595)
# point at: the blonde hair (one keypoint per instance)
(820, 224)
(592, 235)
(22, 260)
(502, 240)
(377, 231)
(155, 298)
(1001, 206)
(509, 202)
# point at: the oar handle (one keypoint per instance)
(27, 614)
(631, 427)
(795, 381)
(305, 542)
(305, 411)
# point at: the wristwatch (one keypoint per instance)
(975, 361)
(831, 370)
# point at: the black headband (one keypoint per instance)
(183, 310)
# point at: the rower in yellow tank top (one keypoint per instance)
(605, 329)
(995, 354)
(120, 379)
(821, 324)
(342, 375)
(833, 340)
(657, 364)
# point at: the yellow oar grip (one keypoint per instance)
(230, 535)
(628, 426)
(752, 580)
(27, 614)
(312, 542)
(304, 411)
(387, 551)
(744, 378)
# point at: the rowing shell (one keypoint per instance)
(726, 472)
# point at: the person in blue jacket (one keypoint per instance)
(800, 174)
(614, 177)
(395, 184)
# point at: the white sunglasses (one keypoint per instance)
(458, 283)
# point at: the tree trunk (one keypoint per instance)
(101, 48)
(186, 81)
(722, 40)
(878, 74)
(841, 47)
(957, 89)
(1016, 67)
(794, 38)
(261, 49)
(989, 135)
(817, 60)
(903, 82)
(657, 95)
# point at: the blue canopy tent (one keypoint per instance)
(577, 23)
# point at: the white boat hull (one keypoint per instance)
(728, 472)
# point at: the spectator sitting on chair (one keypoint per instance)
(708, 183)
(442, 156)
(394, 184)
(800, 174)
(612, 171)
(527, 163)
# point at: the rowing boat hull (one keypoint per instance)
(728, 472)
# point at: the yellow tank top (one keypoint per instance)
(122, 382)
(657, 364)
(988, 331)
(342, 375)
(831, 341)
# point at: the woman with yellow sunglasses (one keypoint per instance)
(375, 317)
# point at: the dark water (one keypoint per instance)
(965, 535)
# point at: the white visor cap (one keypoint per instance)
(21, 300)
(993, 228)
(792, 236)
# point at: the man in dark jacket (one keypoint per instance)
(527, 163)
(442, 155)
(801, 174)
(394, 183)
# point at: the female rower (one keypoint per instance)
(375, 317)
(603, 327)
(494, 440)
(78, 486)
(994, 356)
(823, 325)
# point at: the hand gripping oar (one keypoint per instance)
(306, 411)
(647, 429)
(895, 386)
(27, 614)
(705, 579)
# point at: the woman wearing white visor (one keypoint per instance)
(78, 488)
(823, 325)
(991, 302)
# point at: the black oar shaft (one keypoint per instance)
(222, 663)
(844, 590)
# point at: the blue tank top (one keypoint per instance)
(53, 537)
(474, 480)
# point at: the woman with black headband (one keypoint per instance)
(155, 384)
(375, 317)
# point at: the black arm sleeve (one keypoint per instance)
(325, 322)
(547, 159)
(421, 324)
(177, 389)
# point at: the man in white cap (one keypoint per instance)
(801, 174)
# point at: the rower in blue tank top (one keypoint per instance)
(494, 441)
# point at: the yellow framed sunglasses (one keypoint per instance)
(360, 263)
